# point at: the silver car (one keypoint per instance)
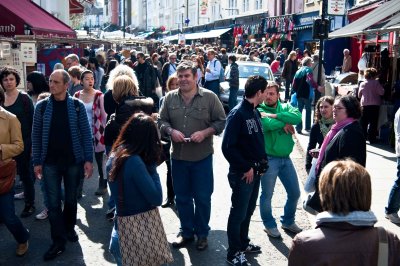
(246, 69)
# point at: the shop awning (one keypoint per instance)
(357, 27)
(17, 17)
(75, 7)
(391, 24)
(207, 34)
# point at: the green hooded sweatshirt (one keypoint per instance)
(278, 143)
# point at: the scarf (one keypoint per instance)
(331, 134)
(325, 125)
(356, 218)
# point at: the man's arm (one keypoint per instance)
(230, 143)
(291, 115)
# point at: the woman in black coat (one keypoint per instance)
(344, 140)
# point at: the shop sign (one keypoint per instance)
(306, 19)
(7, 28)
(336, 7)
(203, 8)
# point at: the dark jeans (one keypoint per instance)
(370, 116)
(288, 84)
(193, 185)
(233, 92)
(62, 221)
(213, 86)
(244, 198)
(167, 154)
(99, 161)
(394, 196)
(25, 171)
(11, 221)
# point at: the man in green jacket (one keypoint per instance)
(277, 120)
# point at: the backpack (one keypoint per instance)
(221, 72)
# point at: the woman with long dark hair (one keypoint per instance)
(132, 172)
(36, 84)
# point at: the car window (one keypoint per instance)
(246, 71)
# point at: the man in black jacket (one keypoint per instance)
(168, 69)
(233, 81)
(243, 147)
(145, 75)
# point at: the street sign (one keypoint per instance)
(336, 7)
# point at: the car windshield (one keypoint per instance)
(246, 71)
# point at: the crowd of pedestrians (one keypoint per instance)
(133, 113)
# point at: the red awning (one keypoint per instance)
(15, 14)
(75, 7)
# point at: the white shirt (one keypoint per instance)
(215, 70)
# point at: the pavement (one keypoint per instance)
(94, 230)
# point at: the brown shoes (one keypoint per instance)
(22, 249)
(202, 243)
(182, 241)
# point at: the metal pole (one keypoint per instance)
(321, 50)
(123, 18)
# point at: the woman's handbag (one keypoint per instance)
(7, 176)
(309, 185)
(142, 239)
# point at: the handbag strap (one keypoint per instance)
(383, 250)
(120, 179)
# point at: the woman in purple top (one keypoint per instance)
(370, 93)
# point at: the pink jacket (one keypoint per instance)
(370, 92)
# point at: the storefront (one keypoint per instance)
(302, 35)
(278, 32)
(30, 20)
(249, 28)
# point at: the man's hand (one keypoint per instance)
(38, 171)
(88, 168)
(208, 70)
(249, 175)
(198, 136)
(289, 129)
(177, 136)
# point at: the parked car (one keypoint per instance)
(246, 69)
(343, 84)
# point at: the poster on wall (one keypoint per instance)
(203, 8)
(336, 7)
(28, 53)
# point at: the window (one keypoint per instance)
(245, 5)
(258, 4)
(309, 2)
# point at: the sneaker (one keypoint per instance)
(251, 248)
(239, 259)
(19, 196)
(28, 211)
(22, 249)
(43, 215)
(393, 217)
(292, 228)
(272, 232)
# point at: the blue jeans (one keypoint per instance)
(282, 167)
(193, 181)
(301, 104)
(62, 221)
(213, 86)
(114, 247)
(8, 217)
(232, 101)
(394, 196)
(244, 198)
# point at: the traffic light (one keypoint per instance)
(321, 28)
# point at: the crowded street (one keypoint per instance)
(157, 132)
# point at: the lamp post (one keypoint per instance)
(182, 20)
(321, 50)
